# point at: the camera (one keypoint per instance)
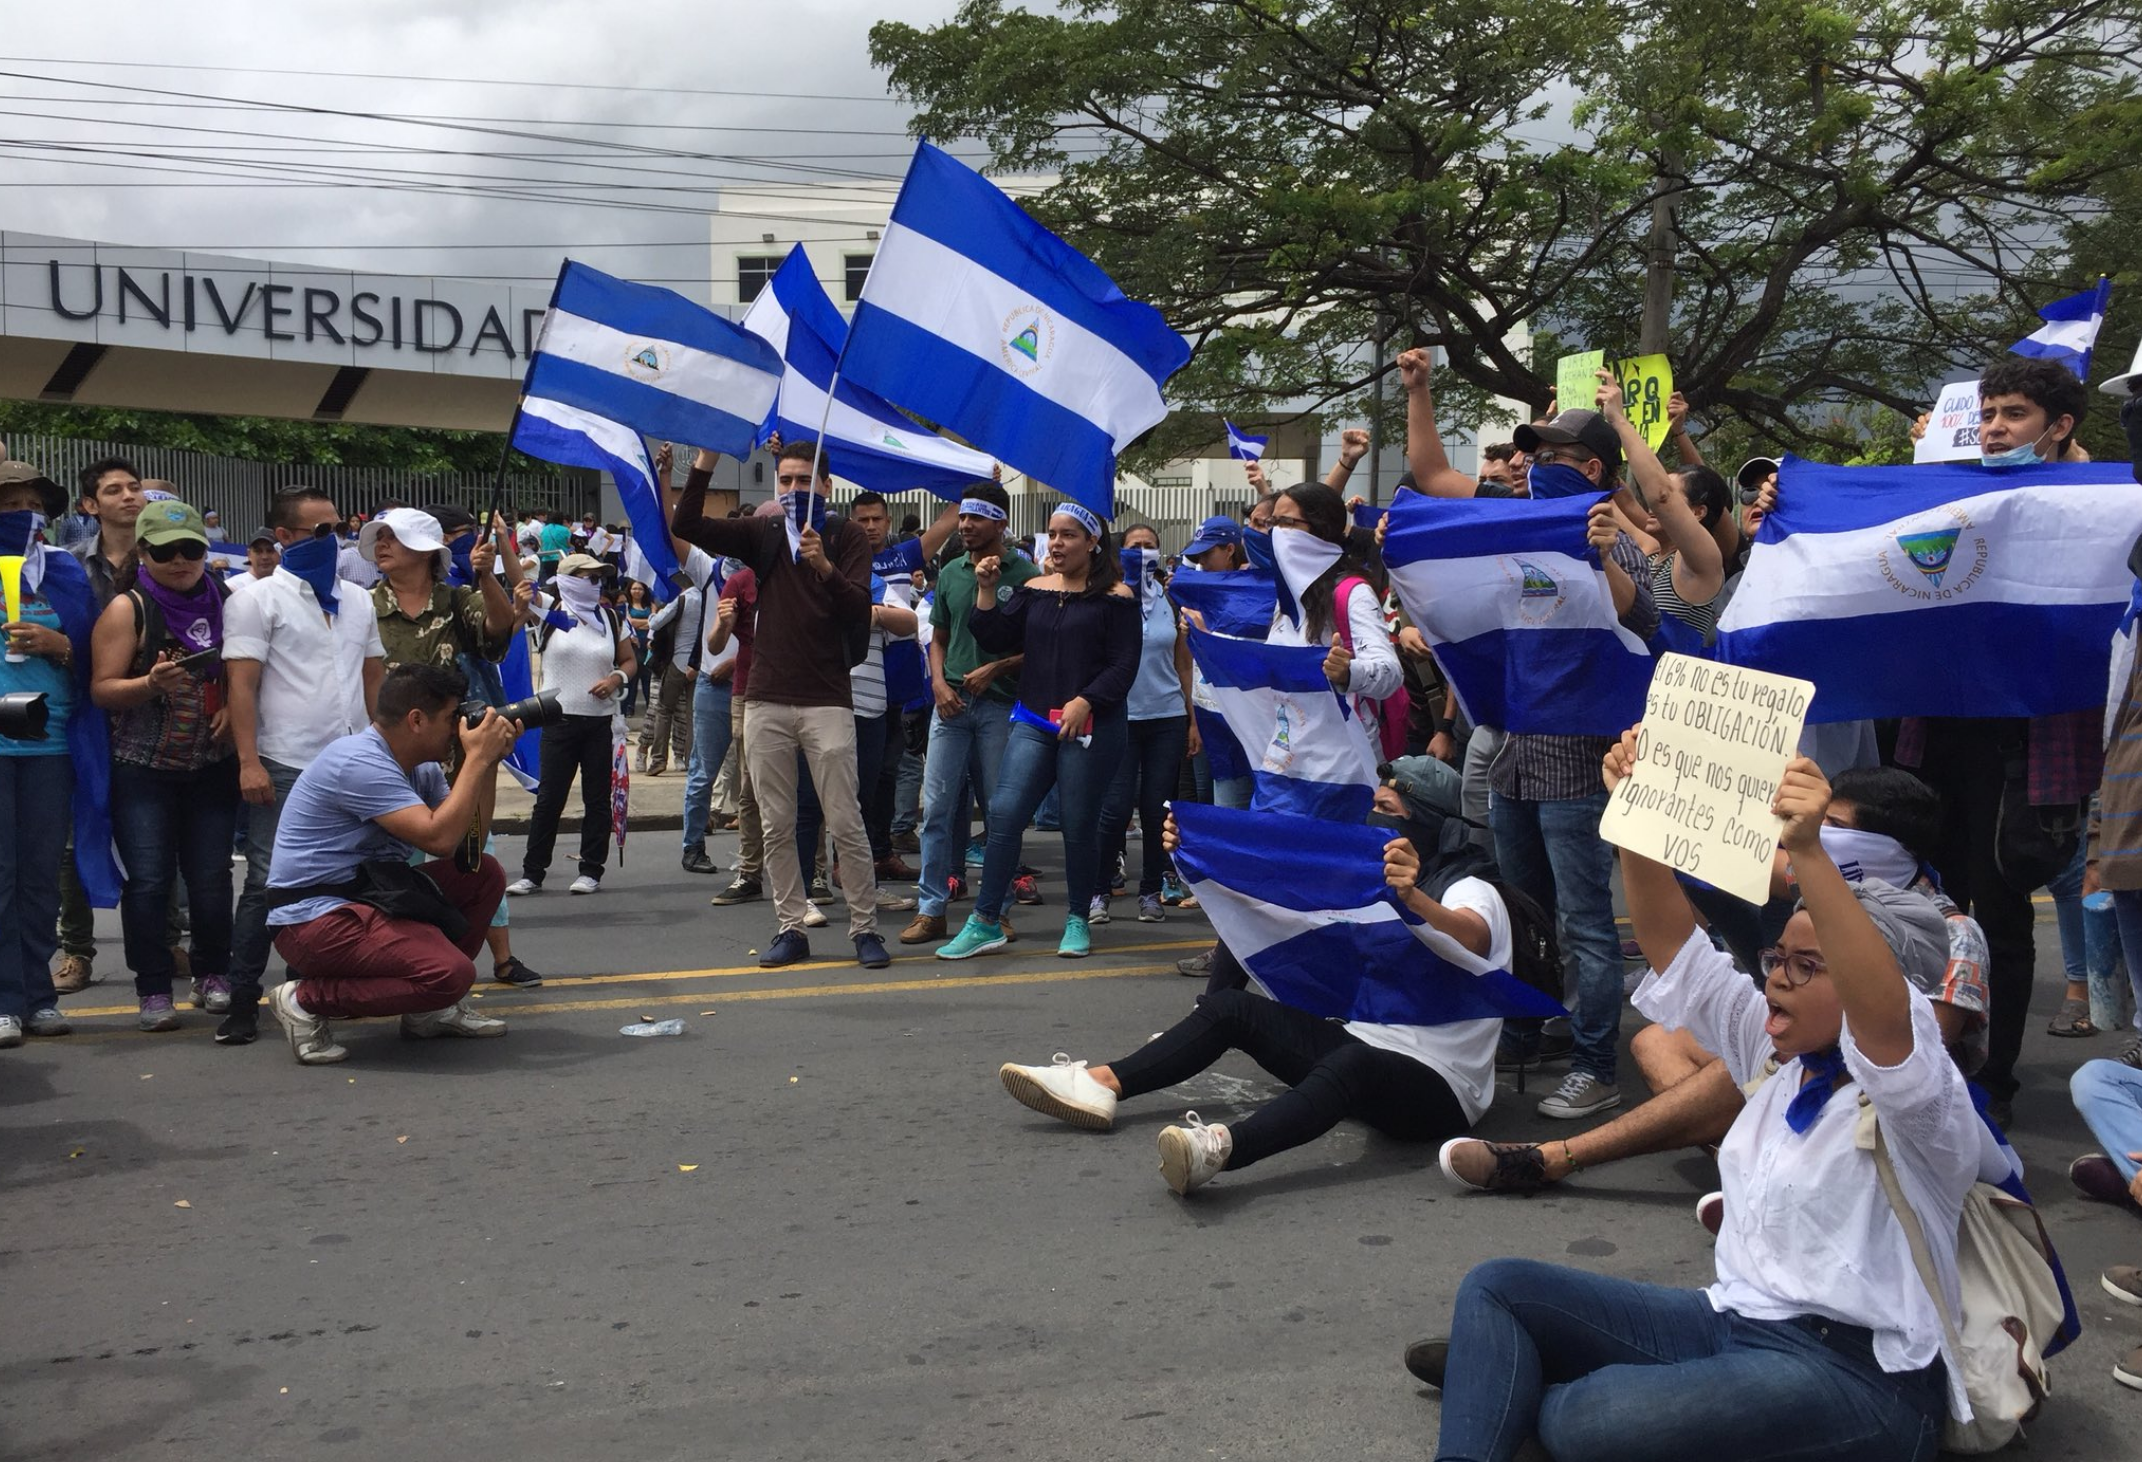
(22, 715)
(537, 711)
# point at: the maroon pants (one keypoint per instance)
(356, 961)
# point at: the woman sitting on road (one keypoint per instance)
(1818, 1338)
(1412, 1083)
(1078, 627)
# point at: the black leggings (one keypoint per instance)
(574, 746)
(1333, 1074)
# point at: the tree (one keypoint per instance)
(1857, 201)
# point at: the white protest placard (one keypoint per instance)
(1710, 752)
(1952, 431)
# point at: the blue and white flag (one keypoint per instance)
(1303, 905)
(868, 441)
(977, 317)
(1943, 589)
(1241, 445)
(1306, 755)
(2070, 329)
(652, 360)
(1235, 602)
(1509, 594)
(558, 432)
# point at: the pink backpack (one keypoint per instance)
(1391, 714)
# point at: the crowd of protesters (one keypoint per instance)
(324, 698)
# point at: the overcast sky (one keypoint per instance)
(74, 80)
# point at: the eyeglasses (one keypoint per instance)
(1568, 456)
(1798, 968)
(187, 548)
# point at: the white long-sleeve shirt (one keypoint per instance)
(1808, 1230)
(1375, 672)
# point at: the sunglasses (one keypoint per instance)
(188, 549)
(1798, 968)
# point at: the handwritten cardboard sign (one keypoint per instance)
(1952, 433)
(1714, 743)
(1576, 380)
(1646, 384)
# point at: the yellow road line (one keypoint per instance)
(492, 991)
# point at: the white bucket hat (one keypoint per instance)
(413, 529)
(2122, 385)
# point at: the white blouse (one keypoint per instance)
(1807, 1228)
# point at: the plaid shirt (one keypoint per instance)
(2066, 754)
(1534, 767)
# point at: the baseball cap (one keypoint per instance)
(578, 563)
(413, 529)
(169, 521)
(453, 521)
(1214, 532)
(55, 497)
(261, 535)
(1751, 475)
(1574, 427)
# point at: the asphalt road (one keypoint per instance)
(812, 1227)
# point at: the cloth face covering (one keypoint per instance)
(1554, 480)
(314, 561)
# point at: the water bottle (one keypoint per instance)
(653, 1028)
(2099, 902)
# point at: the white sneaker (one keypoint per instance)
(813, 916)
(10, 1032)
(520, 886)
(1581, 1094)
(1097, 912)
(1192, 1155)
(456, 1020)
(1062, 1090)
(584, 884)
(893, 903)
(310, 1040)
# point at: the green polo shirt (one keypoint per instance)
(955, 601)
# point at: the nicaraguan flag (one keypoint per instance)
(1510, 595)
(867, 439)
(1303, 905)
(977, 317)
(1241, 445)
(1235, 602)
(558, 432)
(1305, 753)
(1941, 589)
(652, 360)
(2070, 329)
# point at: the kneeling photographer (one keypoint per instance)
(364, 932)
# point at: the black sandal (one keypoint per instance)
(2073, 1020)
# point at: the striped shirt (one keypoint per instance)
(1703, 616)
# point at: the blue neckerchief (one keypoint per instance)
(460, 574)
(18, 531)
(1553, 480)
(314, 561)
(1257, 546)
(1807, 1103)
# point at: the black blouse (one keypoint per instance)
(1076, 645)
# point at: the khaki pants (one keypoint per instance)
(826, 737)
(750, 832)
(668, 726)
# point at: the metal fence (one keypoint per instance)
(240, 489)
(1173, 512)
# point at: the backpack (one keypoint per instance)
(1389, 716)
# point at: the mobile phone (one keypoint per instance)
(200, 660)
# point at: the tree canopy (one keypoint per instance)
(1861, 199)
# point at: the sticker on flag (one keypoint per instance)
(1952, 426)
(1710, 751)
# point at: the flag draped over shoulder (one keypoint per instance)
(1302, 904)
(1510, 596)
(977, 317)
(1305, 754)
(867, 440)
(1944, 589)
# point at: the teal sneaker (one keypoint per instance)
(976, 936)
(1077, 943)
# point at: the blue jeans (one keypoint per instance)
(36, 814)
(1553, 852)
(249, 929)
(966, 750)
(1605, 1369)
(2127, 916)
(710, 746)
(2109, 1096)
(1152, 763)
(2089, 941)
(907, 795)
(170, 828)
(1034, 763)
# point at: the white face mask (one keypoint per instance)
(581, 597)
(1303, 558)
(1862, 855)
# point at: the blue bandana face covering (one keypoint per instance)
(1554, 480)
(18, 531)
(314, 562)
(1257, 547)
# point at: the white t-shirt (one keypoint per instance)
(1807, 1229)
(311, 663)
(577, 658)
(1462, 1052)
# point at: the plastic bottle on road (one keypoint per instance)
(653, 1028)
